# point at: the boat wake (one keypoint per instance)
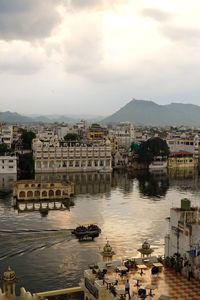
(37, 240)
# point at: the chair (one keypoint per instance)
(154, 270)
(142, 293)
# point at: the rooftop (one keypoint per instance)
(166, 282)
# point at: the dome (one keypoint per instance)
(107, 248)
(145, 245)
(146, 250)
(9, 275)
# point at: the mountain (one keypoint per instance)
(13, 117)
(149, 113)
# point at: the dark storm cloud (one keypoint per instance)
(27, 19)
(189, 36)
(156, 14)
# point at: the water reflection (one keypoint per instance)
(6, 182)
(43, 207)
(85, 183)
(153, 185)
(45, 254)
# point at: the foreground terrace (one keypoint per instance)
(165, 285)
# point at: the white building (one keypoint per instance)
(184, 234)
(7, 135)
(124, 134)
(55, 156)
(8, 164)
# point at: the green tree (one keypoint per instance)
(151, 148)
(26, 138)
(71, 137)
(26, 163)
(4, 149)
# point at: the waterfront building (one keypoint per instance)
(184, 234)
(8, 164)
(37, 190)
(181, 159)
(55, 156)
(185, 142)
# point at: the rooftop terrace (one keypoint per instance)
(165, 283)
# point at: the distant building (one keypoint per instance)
(8, 164)
(7, 135)
(123, 133)
(96, 132)
(183, 142)
(55, 156)
(181, 159)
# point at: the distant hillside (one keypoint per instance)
(149, 113)
(10, 117)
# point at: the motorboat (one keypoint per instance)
(87, 231)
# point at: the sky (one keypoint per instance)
(94, 56)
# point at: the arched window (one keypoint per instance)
(44, 193)
(29, 194)
(51, 193)
(58, 193)
(37, 193)
(22, 194)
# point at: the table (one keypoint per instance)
(151, 288)
(141, 267)
(109, 282)
(123, 270)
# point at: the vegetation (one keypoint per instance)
(151, 148)
(71, 137)
(26, 163)
(26, 138)
(4, 149)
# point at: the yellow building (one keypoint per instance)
(181, 159)
(96, 132)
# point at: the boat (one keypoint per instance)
(158, 163)
(87, 231)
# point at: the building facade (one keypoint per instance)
(181, 159)
(55, 156)
(8, 164)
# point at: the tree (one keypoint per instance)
(71, 137)
(26, 138)
(4, 149)
(151, 148)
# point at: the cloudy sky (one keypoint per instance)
(94, 56)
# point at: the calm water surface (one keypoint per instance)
(129, 208)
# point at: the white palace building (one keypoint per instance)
(56, 156)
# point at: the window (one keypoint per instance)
(10, 160)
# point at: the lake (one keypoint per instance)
(129, 208)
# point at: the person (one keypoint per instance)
(189, 271)
(127, 288)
